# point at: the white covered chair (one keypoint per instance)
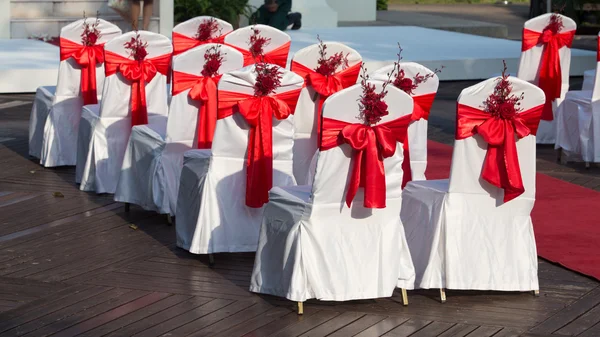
(275, 51)
(212, 206)
(187, 35)
(307, 118)
(463, 233)
(152, 163)
(423, 96)
(56, 109)
(128, 100)
(312, 244)
(578, 123)
(531, 66)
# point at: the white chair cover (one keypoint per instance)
(529, 65)
(460, 234)
(305, 123)
(212, 215)
(152, 163)
(189, 29)
(313, 246)
(56, 110)
(240, 38)
(103, 138)
(578, 123)
(589, 78)
(417, 131)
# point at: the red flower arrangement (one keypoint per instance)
(137, 48)
(502, 103)
(206, 30)
(213, 59)
(90, 34)
(268, 79)
(257, 43)
(553, 27)
(371, 105)
(408, 85)
(328, 65)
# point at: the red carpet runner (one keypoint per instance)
(566, 217)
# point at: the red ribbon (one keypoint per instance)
(87, 57)
(259, 113)
(326, 86)
(203, 89)
(550, 78)
(183, 43)
(276, 56)
(138, 73)
(598, 51)
(501, 165)
(371, 144)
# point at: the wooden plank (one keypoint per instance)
(358, 326)
(223, 319)
(273, 314)
(484, 331)
(508, 332)
(282, 323)
(306, 324)
(333, 324)
(433, 329)
(458, 330)
(582, 323)
(408, 328)
(383, 327)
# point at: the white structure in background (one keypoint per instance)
(315, 13)
(21, 19)
(354, 10)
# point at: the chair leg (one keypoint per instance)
(169, 220)
(587, 165)
(536, 293)
(404, 297)
(211, 260)
(127, 207)
(442, 295)
(558, 155)
(300, 308)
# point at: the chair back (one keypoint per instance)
(279, 43)
(185, 34)
(117, 90)
(333, 167)
(69, 72)
(182, 122)
(306, 117)
(531, 59)
(469, 153)
(596, 90)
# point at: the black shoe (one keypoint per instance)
(296, 20)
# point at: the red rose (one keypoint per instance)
(406, 85)
(140, 53)
(507, 110)
(92, 38)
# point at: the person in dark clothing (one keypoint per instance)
(276, 13)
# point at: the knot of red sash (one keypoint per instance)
(182, 43)
(276, 56)
(371, 144)
(501, 165)
(138, 73)
(87, 57)
(258, 111)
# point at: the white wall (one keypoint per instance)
(4, 19)
(354, 10)
(165, 11)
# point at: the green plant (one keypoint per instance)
(228, 10)
(382, 5)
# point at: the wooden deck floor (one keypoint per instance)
(72, 264)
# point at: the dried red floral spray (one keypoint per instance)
(328, 65)
(268, 78)
(408, 85)
(91, 34)
(257, 43)
(207, 29)
(502, 103)
(213, 59)
(554, 27)
(137, 48)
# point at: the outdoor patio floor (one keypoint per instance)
(76, 264)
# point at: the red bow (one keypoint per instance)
(87, 57)
(183, 43)
(326, 86)
(501, 165)
(138, 73)
(259, 113)
(371, 144)
(550, 73)
(276, 56)
(204, 89)
(598, 51)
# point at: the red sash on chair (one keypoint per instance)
(138, 73)
(259, 113)
(204, 89)
(501, 165)
(550, 73)
(87, 57)
(326, 86)
(183, 43)
(371, 145)
(276, 56)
